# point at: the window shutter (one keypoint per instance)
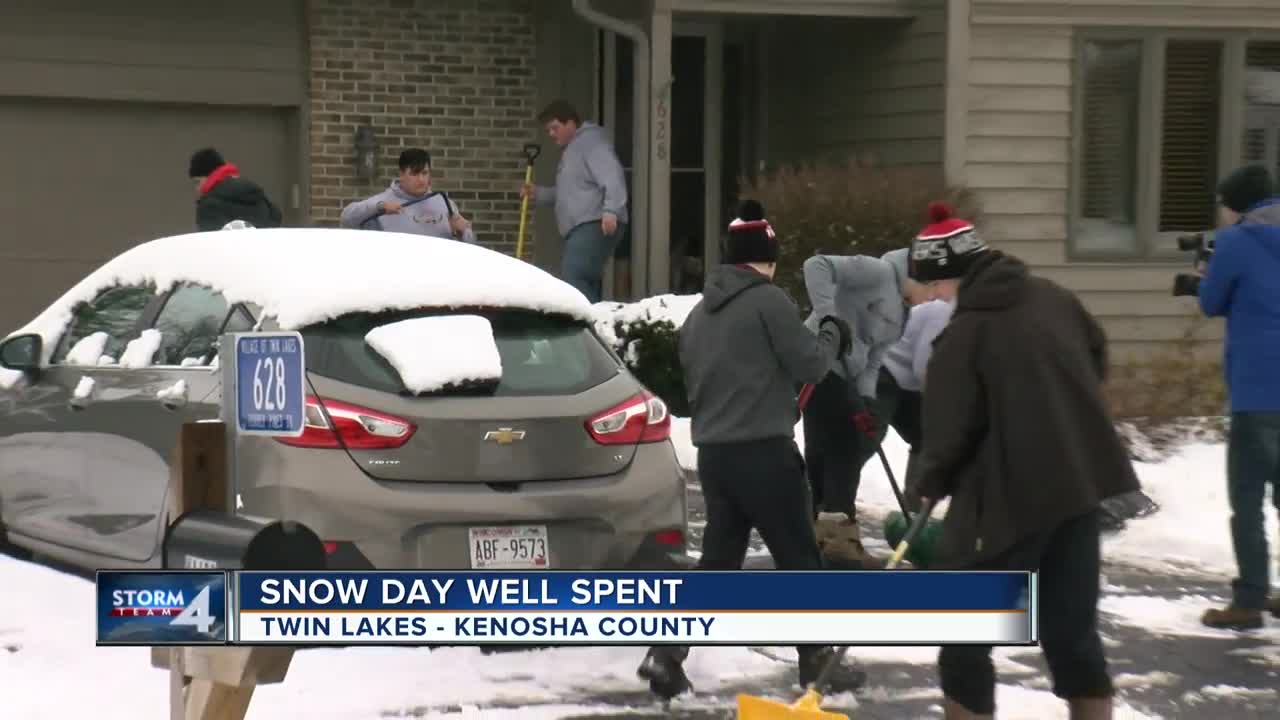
(1189, 149)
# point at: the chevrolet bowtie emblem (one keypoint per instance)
(504, 436)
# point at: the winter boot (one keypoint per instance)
(664, 670)
(1273, 606)
(840, 541)
(843, 678)
(1232, 618)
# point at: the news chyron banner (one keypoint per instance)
(573, 608)
(172, 607)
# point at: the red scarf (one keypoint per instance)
(222, 172)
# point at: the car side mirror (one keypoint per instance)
(22, 352)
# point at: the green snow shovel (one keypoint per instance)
(897, 524)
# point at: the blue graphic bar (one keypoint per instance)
(697, 591)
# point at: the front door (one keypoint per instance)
(707, 67)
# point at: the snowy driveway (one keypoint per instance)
(1167, 666)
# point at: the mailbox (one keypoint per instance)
(206, 540)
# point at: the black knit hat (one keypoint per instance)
(946, 247)
(751, 238)
(1245, 188)
(204, 162)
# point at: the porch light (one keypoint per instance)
(366, 153)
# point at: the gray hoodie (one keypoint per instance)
(865, 292)
(744, 353)
(590, 181)
(424, 217)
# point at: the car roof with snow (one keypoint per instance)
(300, 276)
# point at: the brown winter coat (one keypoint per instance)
(1016, 430)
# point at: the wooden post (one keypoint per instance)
(210, 683)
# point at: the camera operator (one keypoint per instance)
(1242, 284)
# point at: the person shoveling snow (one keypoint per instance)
(1020, 439)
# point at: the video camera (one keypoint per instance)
(1201, 243)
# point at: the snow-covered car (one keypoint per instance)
(461, 412)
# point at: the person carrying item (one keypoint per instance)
(844, 422)
(1242, 284)
(1018, 435)
(589, 196)
(408, 205)
(222, 196)
(744, 352)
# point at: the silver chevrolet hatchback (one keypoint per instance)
(564, 463)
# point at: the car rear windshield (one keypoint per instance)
(541, 354)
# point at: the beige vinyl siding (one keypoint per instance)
(842, 87)
(1019, 160)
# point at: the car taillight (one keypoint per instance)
(360, 428)
(642, 419)
(669, 537)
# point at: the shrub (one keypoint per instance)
(1171, 394)
(848, 208)
(646, 338)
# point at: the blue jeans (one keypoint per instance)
(586, 252)
(1253, 462)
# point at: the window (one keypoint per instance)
(116, 313)
(1157, 122)
(541, 355)
(190, 323)
(1112, 76)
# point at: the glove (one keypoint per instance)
(863, 420)
(842, 331)
(865, 423)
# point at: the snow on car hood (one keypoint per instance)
(431, 353)
(301, 276)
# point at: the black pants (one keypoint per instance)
(759, 485)
(1069, 565)
(835, 450)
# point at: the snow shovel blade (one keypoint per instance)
(921, 551)
(806, 708)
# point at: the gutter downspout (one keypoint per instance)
(959, 24)
(640, 113)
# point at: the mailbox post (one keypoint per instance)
(263, 393)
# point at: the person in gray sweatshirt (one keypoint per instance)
(843, 423)
(744, 353)
(589, 196)
(409, 205)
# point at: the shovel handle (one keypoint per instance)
(532, 151)
(805, 393)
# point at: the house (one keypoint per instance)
(1093, 129)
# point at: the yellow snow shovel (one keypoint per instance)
(531, 152)
(808, 707)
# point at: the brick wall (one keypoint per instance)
(454, 76)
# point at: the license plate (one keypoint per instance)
(518, 547)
